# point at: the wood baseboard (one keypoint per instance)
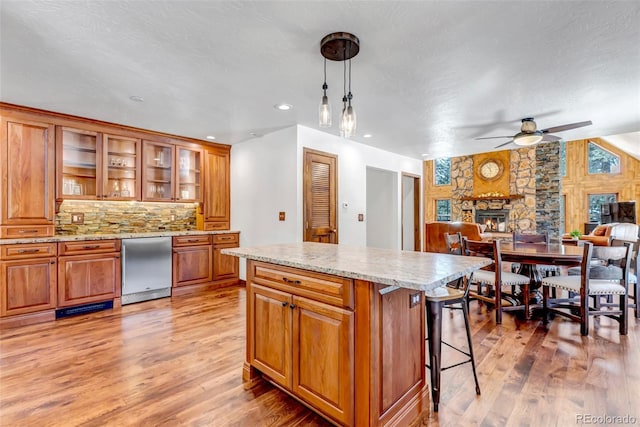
(27, 319)
(202, 287)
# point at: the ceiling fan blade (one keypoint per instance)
(495, 137)
(566, 127)
(550, 138)
(502, 145)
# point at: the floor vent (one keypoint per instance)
(81, 309)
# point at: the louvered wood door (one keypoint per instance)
(320, 197)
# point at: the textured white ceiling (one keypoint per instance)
(430, 76)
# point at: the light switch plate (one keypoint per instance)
(77, 218)
(281, 216)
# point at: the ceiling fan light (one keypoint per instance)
(527, 138)
(324, 113)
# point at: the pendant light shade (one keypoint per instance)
(339, 47)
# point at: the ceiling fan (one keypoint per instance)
(530, 135)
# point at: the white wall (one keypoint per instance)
(353, 159)
(382, 208)
(266, 177)
(407, 213)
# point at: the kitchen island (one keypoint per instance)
(342, 328)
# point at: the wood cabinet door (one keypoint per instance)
(27, 286)
(225, 266)
(217, 187)
(27, 157)
(79, 164)
(323, 357)
(192, 264)
(88, 278)
(121, 161)
(270, 350)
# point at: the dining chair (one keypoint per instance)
(583, 286)
(493, 285)
(453, 296)
(535, 238)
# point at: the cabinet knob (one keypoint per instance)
(292, 306)
(53, 262)
(284, 303)
(295, 282)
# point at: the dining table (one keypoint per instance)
(530, 255)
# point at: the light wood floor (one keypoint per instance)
(178, 362)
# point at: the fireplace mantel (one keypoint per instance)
(489, 198)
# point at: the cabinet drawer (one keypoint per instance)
(212, 226)
(22, 231)
(28, 250)
(333, 290)
(232, 238)
(88, 247)
(192, 240)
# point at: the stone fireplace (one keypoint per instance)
(494, 219)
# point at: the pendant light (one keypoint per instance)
(324, 111)
(339, 47)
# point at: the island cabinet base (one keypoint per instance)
(351, 350)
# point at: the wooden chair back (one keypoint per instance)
(541, 238)
(484, 248)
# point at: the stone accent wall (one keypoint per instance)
(522, 172)
(461, 185)
(523, 182)
(548, 190)
(125, 217)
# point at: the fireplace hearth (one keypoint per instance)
(494, 219)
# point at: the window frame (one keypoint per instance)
(588, 162)
(435, 168)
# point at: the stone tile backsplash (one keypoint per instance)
(125, 217)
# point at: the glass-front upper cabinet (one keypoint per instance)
(97, 166)
(121, 163)
(158, 167)
(78, 153)
(188, 177)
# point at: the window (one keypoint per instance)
(601, 160)
(595, 200)
(442, 170)
(443, 210)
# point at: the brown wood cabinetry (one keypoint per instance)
(192, 260)
(27, 278)
(216, 211)
(88, 271)
(353, 350)
(171, 173)
(27, 162)
(225, 266)
(301, 343)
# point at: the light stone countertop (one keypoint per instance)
(81, 237)
(424, 271)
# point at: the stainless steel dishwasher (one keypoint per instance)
(146, 269)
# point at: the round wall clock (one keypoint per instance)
(491, 169)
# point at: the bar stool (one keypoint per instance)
(455, 296)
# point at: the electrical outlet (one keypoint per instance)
(173, 218)
(77, 218)
(360, 217)
(414, 299)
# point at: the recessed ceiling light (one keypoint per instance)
(283, 107)
(255, 134)
(211, 137)
(367, 135)
(136, 98)
(425, 155)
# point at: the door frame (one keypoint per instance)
(305, 208)
(417, 185)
